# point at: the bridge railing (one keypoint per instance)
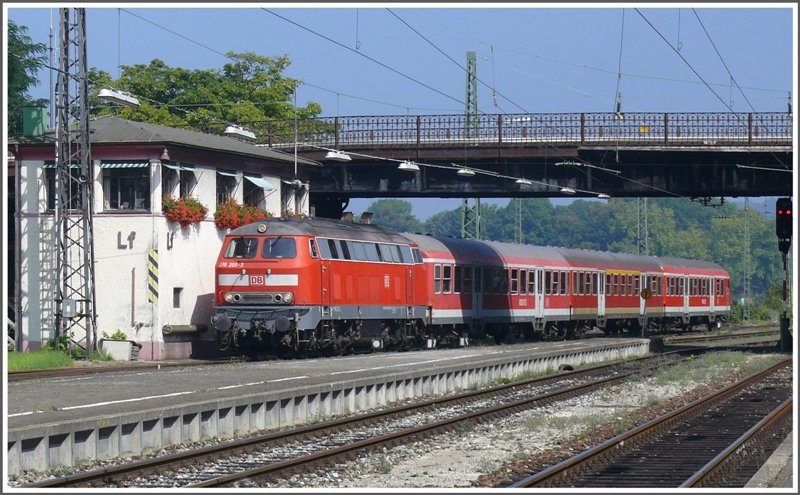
(630, 128)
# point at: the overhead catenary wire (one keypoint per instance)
(371, 59)
(585, 66)
(698, 75)
(225, 55)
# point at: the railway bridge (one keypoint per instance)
(696, 155)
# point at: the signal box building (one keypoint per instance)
(154, 278)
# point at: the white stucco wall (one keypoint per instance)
(186, 259)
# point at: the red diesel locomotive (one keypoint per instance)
(328, 286)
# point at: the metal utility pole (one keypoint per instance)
(471, 215)
(471, 219)
(74, 179)
(642, 244)
(746, 275)
(518, 237)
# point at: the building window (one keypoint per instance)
(72, 188)
(188, 181)
(126, 185)
(254, 187)
(176, 296)
(226, 186)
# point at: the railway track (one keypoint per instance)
(717, 441)
(276, 454)
(722, 337)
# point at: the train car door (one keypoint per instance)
(477, 292)
(539, 298)
(601, 295)
(686, 291)
(644, 283)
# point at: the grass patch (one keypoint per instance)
(44, 359)
(712, 367)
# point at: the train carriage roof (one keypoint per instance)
(322, 227)
(683, 265)
(487, 252)
(608, 260)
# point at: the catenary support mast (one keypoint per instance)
(75, 316)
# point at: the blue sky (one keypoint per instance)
(529, 58)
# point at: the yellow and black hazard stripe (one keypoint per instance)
(152, 275)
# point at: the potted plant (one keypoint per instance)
(231, 214)
(185, 211)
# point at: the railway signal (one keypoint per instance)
(783, 223)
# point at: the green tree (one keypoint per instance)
(250, 90)
(394, 214)
(25, 58)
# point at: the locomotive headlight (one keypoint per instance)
(228, 297)
(288, 298)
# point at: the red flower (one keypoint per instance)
(231, 215)
(185, 211)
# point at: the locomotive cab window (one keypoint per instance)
(417, 256)
(242, 247)
(279, 248)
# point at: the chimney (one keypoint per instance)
(348, 216)
(366, 217)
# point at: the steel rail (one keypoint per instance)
(105, 475)
(405, 435)
(562, 472)
(728, 460)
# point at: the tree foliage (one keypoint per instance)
(250, 91)
(677, 227)
(24, 59)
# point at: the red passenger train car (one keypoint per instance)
(328, 286)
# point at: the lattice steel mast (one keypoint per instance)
(471, 216)
(746, 275)
(74, 178)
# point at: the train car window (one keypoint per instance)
(548, 280)
(457, 279)
(466, 286)
(496, 283)
(437, 279)
(447, 282)
(312, 248)
(405, 254)
(636, 285)
(564, 282)
(324, 249)
(594, 283)
(523, 281)
(504, 282)
(469, 283)
(344, 250)
(575, 276)
(487, 280)
(532, 283)
(514, 281)
(279, 248)
(386, 253)
(359, 252)
(630, 285)
(615, 286)
(333, 246)
(242, 247)
(608, 284)
(417, 256)
(371, 250)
